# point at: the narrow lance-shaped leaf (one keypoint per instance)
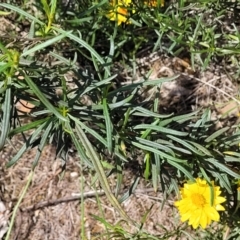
(43, 99)
(43, 141)
(6, 117)
(21, 12)
(100, 171)
(108, 125)
(43, 45)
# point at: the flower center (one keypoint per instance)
(198, 199)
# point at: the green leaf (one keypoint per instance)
(156, 170)
(27, 127)
(216, 134)
(33, 139)
(43, 45)
(78, 145)
(160, 153)
(146, 173)
(43, 99)
(130, 191)
(146, 133)
(223, 168)
(108, 125)
(224, 182)
(161, 129)
(21, 12)
(46, 7)
(84, 44)
(3, 67)
(200, 147)
(43, 141)
(2, 13)
(182, 169)
(156, 145)
(91, 153)
(185, 144)
(7, 110)
(91, 131)
(119, 171)
(179, 119)
(140, 111)
(53, 7)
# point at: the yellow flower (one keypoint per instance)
(195, 205)
(120, 11)
(154, 3)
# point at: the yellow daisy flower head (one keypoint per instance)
(196, 206)
(120, 12)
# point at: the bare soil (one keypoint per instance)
(51, 208)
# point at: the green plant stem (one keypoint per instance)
(18, 204)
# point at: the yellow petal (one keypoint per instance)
(220, 207)
(220, 200)
(185, 216)
(203, 220)
(212, 213)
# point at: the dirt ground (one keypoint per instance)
(51, 208)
